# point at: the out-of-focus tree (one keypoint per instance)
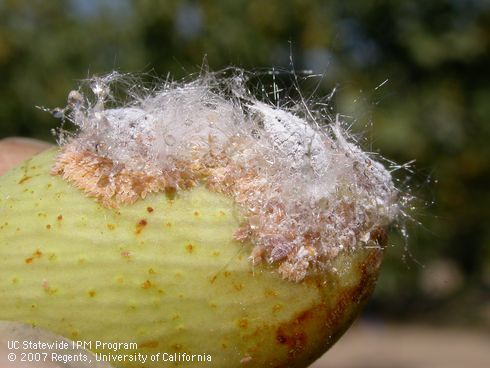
(413, 74)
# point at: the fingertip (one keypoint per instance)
(14, 150)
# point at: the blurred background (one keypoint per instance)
(412, 76)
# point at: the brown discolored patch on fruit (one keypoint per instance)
(48, 226)
(189, 248)
(243, 323)
(238, 286)
(92, 293)
(36, 255)
(140, 226)
(325, 321)
(339, 317)
(170, 192)
(59, 218)
(111, 226)
(146, 285)
(293, 334)
(149, 209)
(24, 179)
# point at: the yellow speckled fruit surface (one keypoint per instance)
(164, 273)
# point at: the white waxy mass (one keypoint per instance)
(304, 190)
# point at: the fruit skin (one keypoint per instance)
(165, 273)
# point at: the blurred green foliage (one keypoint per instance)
(434, 107)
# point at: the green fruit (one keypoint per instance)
(165, 273)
